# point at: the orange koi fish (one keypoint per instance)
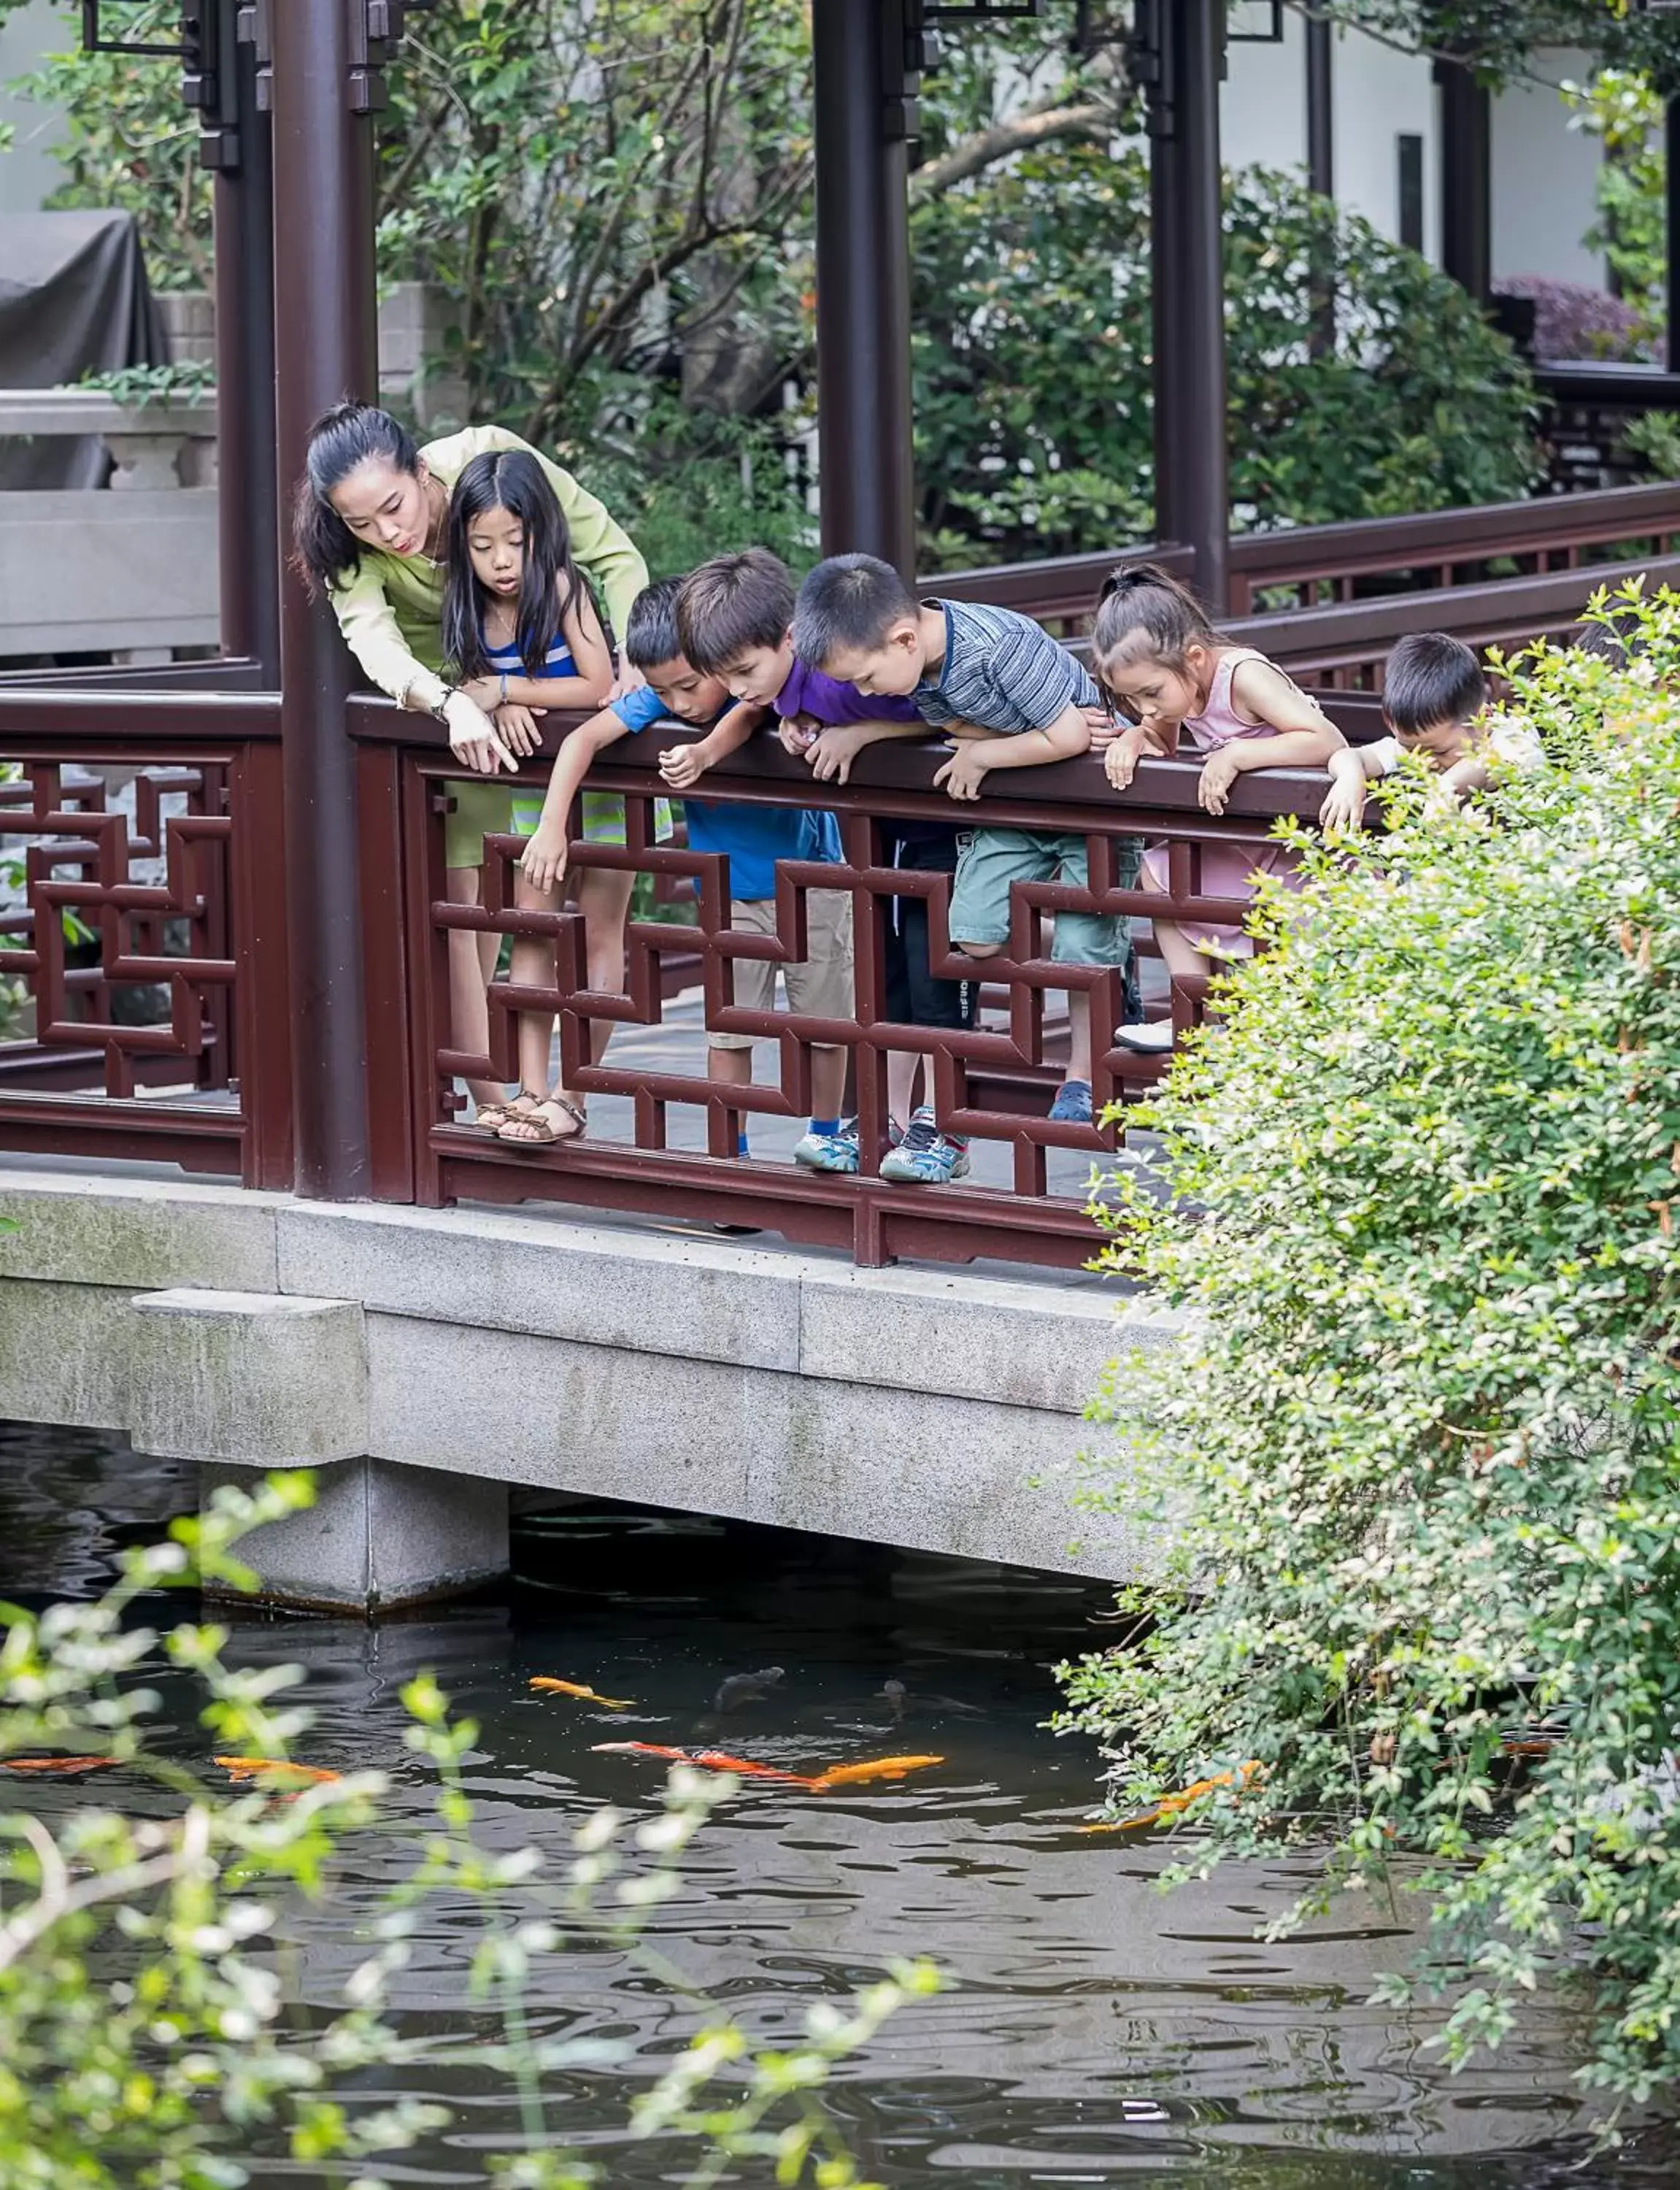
(715, 1760)
(877, 1767)
(549, 1687)
(704, 1760)
(275, 1767)
(66, 1765)
(1170, 1804)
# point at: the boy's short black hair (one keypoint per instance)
(733, 602)
(850, 602)
(1607, 636)
(1431, 677)
(650, 635)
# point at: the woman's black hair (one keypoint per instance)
(551, 585)
(326, 550)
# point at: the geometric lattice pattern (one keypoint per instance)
(114, 923)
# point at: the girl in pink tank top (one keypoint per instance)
(1159, 659)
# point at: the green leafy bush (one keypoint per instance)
(1422, 1449)
(1623, 109)
(147, 2039)
(1032, 341)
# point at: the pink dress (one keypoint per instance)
(1226, 871)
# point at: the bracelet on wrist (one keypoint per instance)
(502, 701)
(440, 709)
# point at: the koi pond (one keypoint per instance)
(1094, 2031)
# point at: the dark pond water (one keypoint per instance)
(1095, 2033)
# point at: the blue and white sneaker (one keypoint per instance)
(832, 1152)
(926, 1157)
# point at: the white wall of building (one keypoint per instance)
(29, 170)
(1544, 177)
(1378, 94)
(1543, 172)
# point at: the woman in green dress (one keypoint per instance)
(369, 525)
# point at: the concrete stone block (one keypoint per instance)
(79, 1230)
(66, 1353)
(924, 1470)
(377, 1536)
(652, 1428)
(248, 1377)
(965, 1477)
(1021, 1344)
(698, 1298)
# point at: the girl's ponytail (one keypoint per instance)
(1143, 612)
(325, 549)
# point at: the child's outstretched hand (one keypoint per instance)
(832, 752)
(1220, 771)
(1120, 759)
(965, 773)
(798, 734)
(1344, 811)
(543, 861)
(682, 766)
(521, 733)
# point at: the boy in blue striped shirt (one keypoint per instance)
(1011, 697)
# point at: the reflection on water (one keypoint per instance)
(1097, 2032)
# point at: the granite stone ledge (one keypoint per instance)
(75, 1229)
(542, 1278)
(1017, 1344)
(925, 1471)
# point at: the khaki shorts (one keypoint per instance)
(819, 987)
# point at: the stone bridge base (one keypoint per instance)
(424, 1360)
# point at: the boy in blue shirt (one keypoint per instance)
(752, 838)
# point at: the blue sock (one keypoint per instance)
(741, 1148)
(825, 1126)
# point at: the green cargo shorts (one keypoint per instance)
(992, 860)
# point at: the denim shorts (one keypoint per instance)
(992, 860)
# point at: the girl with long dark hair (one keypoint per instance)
(369, 525)
(520, 629)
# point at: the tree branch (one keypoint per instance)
(1090, 118)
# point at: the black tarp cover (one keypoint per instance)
(73, 299)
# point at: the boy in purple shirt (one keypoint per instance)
(735, 614)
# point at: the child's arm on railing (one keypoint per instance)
(1352, 768)
(982, 751)
(544, 858)
(682, 766)
(588, 688)
(1303, 734)
(832, 752)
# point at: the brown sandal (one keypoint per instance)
(491, 1117)
(539, 1132)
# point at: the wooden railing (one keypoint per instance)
(145, 938)
(144, 1008)
(1369, 559)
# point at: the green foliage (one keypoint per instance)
(685, 484)
(1622, 110)
(1500, 36)
(146, 2037)
(1656, 436)
(1033, 341)
(185, 380)
(602, 191)
(129, 143)
(1422, 1449)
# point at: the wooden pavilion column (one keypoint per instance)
(1321, 88)
(325, 349)
(863, 110)
(1466, 179)
(1184, 43)
(241, 150)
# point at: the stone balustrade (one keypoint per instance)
(131, 571)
